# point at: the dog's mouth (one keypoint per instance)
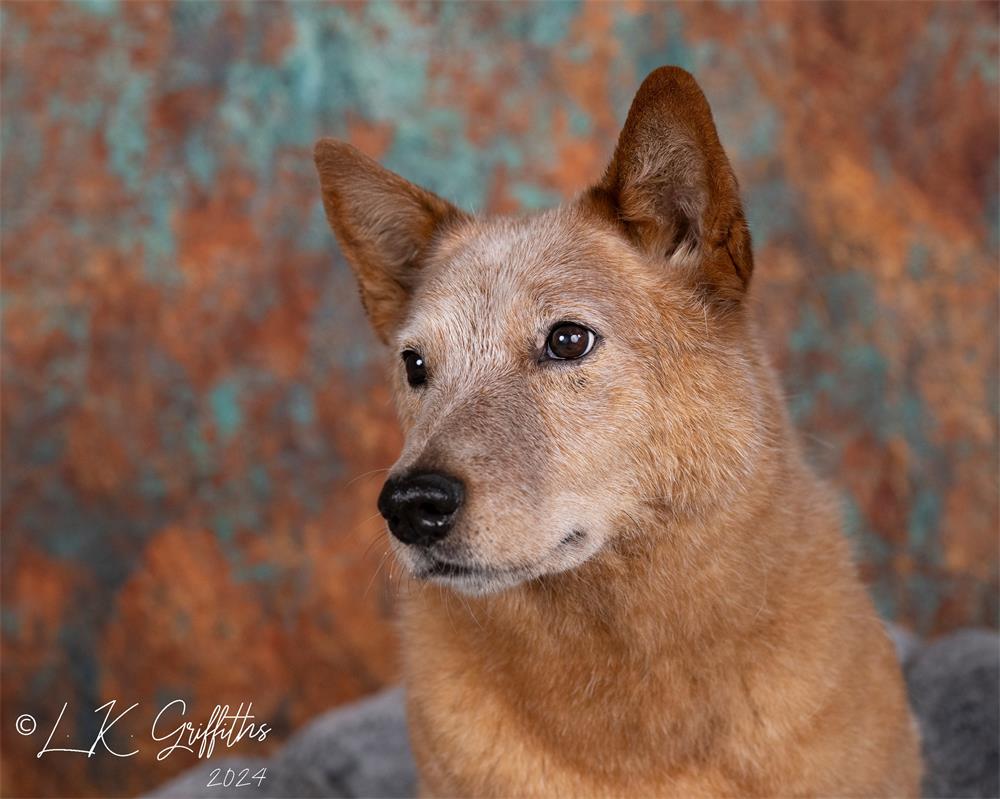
(445, 568)
(469, 578)
(477, 578)
(437, 567)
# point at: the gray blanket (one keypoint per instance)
(361, 750)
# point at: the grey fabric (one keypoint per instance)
(954, 687)
(361, 750)
(358, 750)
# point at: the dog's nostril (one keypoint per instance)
(420, 508)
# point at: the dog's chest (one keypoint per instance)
(482, 725)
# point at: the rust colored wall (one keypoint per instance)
(193, 414)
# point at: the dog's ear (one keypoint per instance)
(384, 224)
(671, 187)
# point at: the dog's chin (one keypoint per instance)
(482, 579)
(472, 580)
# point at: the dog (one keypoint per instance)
(628, 582)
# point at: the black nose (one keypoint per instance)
(420, 508)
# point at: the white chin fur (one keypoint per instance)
(481, 584)
(494, 580)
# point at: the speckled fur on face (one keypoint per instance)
(556, 456)
(542, 446)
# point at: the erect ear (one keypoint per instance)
(384, 224)
(671, 186)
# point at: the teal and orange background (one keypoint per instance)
(194, 416)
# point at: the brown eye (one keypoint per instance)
(568, 341)
(416, 369)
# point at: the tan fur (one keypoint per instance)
(667, 605)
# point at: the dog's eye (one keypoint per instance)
(416, 369)
(568, 341)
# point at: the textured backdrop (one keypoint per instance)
(193, 415)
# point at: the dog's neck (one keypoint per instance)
(670, 617)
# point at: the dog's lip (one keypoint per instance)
(575, 537)
(440, 567)
(448, 568)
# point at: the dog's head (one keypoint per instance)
(561, 376)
